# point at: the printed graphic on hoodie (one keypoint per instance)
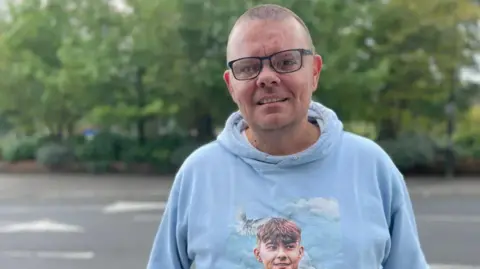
(305, 234)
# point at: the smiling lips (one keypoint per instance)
(271, 100)
(281, 265)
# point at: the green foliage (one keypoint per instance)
(100, 153)
(389, 67)
(181, 153)
(365, 129)
(467, 138)
(83, 61)
(104, 146)
(411, 150)
(156, 151)
(422, 46)
(54, 155)
(18, 149)
(469, 144)
(107, 147)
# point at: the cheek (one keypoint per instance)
(294, 257)
(243, 94)
(268, 259)
(267, 256)
(300, 86)
(301, 92)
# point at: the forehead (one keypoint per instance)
(264, 37)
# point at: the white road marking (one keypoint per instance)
(40, 226)
(88, 255)
(123, 206)
(449, 218)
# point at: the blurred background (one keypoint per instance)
(102, 100)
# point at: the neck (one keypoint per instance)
(286, 141)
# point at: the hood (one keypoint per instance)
(232, 139)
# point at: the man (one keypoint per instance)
(279, 244)
(284, 156)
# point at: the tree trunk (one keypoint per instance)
(205, 128)
(141, 122)
(387, 129)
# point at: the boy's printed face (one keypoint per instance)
(279, 255)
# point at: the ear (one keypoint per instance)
(227, 77)
(256, 252)
(317, 69)
(301, 251)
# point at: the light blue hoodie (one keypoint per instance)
(343, 194)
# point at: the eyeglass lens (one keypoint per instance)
(282, 62)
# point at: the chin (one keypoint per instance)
(273, 124)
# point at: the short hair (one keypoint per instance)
(272, 12)
(279, 230)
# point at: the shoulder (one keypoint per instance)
(205, 161)
(376, 165)
(201, 165)
(206, 155)
(369, 149)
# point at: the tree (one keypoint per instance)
(138, 48)
(40, 87)
(423, 45)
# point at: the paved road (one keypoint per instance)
(108, 222)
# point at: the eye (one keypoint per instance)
(249, 69)
(271, 247)
(246, 66)
(291, 246)
(286, 64)
(289, 62)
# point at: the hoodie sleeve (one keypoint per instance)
(169, 249)
(405, 249)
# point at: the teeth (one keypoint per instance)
(271, 100)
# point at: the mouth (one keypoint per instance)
(282, 264)
(271, 101)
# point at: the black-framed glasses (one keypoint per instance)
(286, 61)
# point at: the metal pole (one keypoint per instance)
(451, 104)
(450, 152)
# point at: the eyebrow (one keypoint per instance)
(284, 242)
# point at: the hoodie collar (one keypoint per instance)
(231, 138)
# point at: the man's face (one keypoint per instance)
(263, 38)
(281, 255)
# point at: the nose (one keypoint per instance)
(281, 254)
(267, 77)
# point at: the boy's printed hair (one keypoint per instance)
(278, 230)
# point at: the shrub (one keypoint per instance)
(19, 149)
(411, 150)
(182, 152)
(157, 152)
(54, 155)
(469, 144)
(104, 146)
(365, 129)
